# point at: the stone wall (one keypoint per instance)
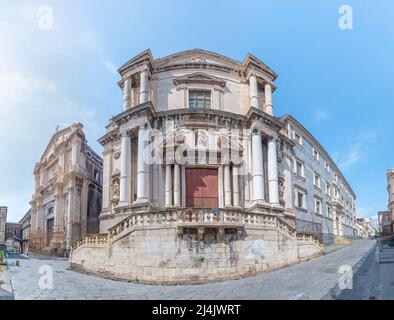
(158, 254)
(3, 220)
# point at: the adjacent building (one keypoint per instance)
(25, 222)
(202, 181)
(384, 223)
(3, 221)
(322, 199)
(67, 197)
(389, 221)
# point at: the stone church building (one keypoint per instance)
(202, 181)
(67, 197)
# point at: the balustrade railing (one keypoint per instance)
(309, 238)
(191, 217)
(93, 239)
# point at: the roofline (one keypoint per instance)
(291, 118)
(196, 50)
(238, 65)
(26, 214)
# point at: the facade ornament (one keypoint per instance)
(115, 191)
(117, 155)
(221, 234)
(201, 232)
(199, 59)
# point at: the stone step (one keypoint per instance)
(386, 256)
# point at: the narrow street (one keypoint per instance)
(314, 279)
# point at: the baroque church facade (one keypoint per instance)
(67, 197)
(202, 181)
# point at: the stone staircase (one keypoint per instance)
(386, 250)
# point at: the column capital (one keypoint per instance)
(256, 132)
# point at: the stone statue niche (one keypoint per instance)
(115, 191)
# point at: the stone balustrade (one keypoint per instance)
(191, 218)
(309, 238)
(194, 217)
(92, 240)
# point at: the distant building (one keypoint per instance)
(67, 197)
(365, 228)
(389, 220)
(13, 235)
(26, 225)
(3, 220)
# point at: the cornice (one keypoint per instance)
(255, 113)
(199, 77)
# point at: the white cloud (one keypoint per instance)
(319, 115)
(15, 86)
(111, 67)
(357, 152)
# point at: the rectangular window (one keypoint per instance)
(329, 211)
(315, 154)
(328, 189)
(297, 138)
(317, 206)
(300, 199)
(327, 167)
(316, 180)
(299, 169)
(199, 99)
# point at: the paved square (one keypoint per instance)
(308, 280)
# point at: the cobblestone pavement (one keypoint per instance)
(5, 285)
(375, 278)
(308, 280)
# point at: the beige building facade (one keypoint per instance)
(198, 175)
(67, 196)
(3, 221)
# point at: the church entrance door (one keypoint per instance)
(202, 187)
(50, 227)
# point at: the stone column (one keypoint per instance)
(257, 167)
(253, 92)
(177, 185)
(75, 151)
(227, 186)
(84, 207)
(168, 186)
(268, 99)
(107, 179)
(235, 187)
(58, 222)
(125, 155)
(273, 172)
(142, 167)
(69, 217)
(126, 94)
(144, 86)
(288, 194)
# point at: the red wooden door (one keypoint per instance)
(202, 187)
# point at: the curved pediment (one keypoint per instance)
(196, 56)
(200, 77)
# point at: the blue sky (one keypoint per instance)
(337, 83)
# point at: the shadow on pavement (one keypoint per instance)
(13, 255)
